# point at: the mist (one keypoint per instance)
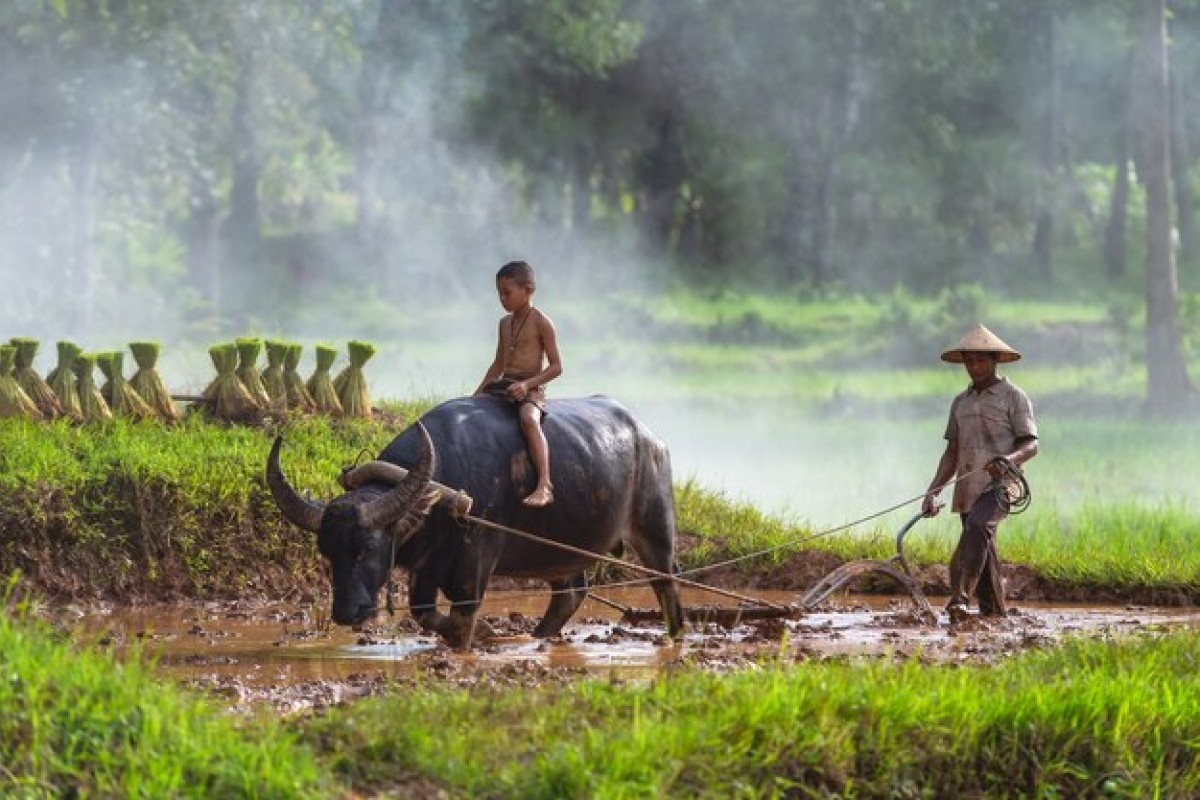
(358, 170)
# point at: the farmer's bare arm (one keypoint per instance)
(945, 471)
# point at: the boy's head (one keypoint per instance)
(520, 273)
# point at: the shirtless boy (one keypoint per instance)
(526, 360)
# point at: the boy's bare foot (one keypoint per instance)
(543, 496)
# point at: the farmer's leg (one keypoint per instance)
(990, 588)
(975, 559)
(539, 452)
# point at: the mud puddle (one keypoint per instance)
(286, 656)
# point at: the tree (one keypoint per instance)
(1168, 387)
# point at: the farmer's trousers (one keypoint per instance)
(975, 566)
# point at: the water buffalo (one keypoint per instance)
(612, 485)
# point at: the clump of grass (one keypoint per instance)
(248, 349)
(14, 402)
(95, 408)
(272, 376)
(30, 381)
(148, 383)
(81, 723)
(120, 395)
(320, 383)
(228, 397)
(65, 383)
(1092, 718)
(298, 397)
(351, 383)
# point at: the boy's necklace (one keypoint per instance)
(514, 330)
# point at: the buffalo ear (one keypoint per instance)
(409, 501)
(296, 509)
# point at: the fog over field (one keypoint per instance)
(451, 219)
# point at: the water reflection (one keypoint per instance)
(286, 644)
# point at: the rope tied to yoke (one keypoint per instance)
(1012, 483)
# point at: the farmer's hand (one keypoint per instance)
(930, 505)
(998, 466)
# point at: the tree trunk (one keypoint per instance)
(242, 230)
(1167, 384)
(664, 176)
(1181, 165)
(1049, 145)
(376, 82)
(202, 238)
(843, 113)
(1115, 248)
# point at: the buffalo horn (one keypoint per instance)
(301, 512)
(411, 499)
(458, 502)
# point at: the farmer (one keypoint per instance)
(526, 360)
(991, 431)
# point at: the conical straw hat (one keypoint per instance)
(980, 340)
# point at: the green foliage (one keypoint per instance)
(84, 723)
(140, 508)
(1119, 715)
(817, 147)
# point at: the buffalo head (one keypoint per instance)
(360, 530)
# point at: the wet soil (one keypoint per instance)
(286, 658)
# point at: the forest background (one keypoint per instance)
(700, 184)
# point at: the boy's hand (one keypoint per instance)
(518, 390)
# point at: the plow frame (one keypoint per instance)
(895, 567)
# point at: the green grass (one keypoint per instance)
(1115, 718)
(1092, 718)
(82, 723)
(174, 502)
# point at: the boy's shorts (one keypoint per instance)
(499, 388)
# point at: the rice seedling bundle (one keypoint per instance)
(35, 385)
(351, 383)
(247, 370)
(272, 376)
(13, 400)
(94, 406)
(320, 384)
(148, 383)
(121, 397)
(229, 398)
(65, 382)
(297, 395)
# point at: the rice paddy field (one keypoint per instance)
(794, 427)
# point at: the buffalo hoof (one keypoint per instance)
(461, 631)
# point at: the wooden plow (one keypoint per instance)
(895, 567)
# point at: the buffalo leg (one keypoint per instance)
(465, 589)
(568, 595)
(458, 628)
(422, 604)
(654, 543)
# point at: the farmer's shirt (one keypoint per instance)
(985, 425)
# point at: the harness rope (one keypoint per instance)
(1018, 500)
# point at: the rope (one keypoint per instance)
(827, 532)
(1012, 487)
(653, 573)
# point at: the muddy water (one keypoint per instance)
(285, 655)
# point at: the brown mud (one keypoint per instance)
(286, 658)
